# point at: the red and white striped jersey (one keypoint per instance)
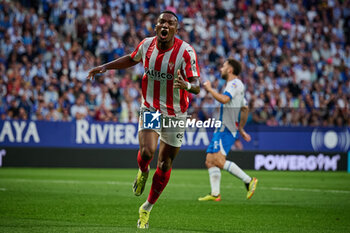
(160, 72)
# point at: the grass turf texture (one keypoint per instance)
(101, 200)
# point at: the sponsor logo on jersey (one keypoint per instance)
(157, 75)
(171, 65)
(180, 135)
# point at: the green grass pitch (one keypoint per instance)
(101, 200)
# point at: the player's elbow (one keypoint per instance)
(225, 99)
(244, 109)
(196, 91)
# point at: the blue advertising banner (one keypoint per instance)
(84, 134)
(330, 139)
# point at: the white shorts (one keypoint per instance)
(170, 134)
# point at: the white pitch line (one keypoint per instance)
(66, 181)
(173, 185)
(307, 190)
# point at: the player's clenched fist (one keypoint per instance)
(180, 83)
(244, 134)
(207, 85)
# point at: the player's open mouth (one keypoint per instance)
(164, 34)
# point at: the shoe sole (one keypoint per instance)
(216, 199)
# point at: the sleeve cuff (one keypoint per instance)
(228, 94)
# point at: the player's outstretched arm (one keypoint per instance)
(191, 86)
(242, 122)
(219, 97)
(118, 64)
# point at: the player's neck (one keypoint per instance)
(165, 45)
(231, 77)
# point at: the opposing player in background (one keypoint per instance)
(233, 104)
(171, 71)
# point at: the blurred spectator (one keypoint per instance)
(79, 110)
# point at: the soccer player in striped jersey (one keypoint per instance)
(171, 73)
(233, 103)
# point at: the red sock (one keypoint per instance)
(143, 164)
(160, 180)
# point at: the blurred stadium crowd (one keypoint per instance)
(295, 56)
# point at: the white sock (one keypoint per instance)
(215, 178)
(232, 168)
(147, 206)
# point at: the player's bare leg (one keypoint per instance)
(148, 144)
(161, 177)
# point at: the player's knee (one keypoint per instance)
(219, 161)
(146, 152)
(165, 165)
(208, 163)
(219, 164)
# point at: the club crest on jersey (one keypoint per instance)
(171, 65)
(157, 75)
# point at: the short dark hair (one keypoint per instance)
(170, 12)
(236, 65)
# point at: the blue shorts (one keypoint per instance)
(222, 141)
